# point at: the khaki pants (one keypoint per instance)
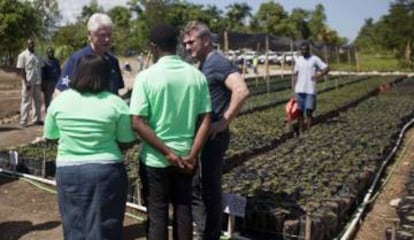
(29, 95)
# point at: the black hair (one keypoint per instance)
(92, 75)
(165, 37)
(305, 44)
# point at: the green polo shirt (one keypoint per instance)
(170, 95)
(88, 127)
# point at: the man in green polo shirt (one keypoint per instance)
(170, 108)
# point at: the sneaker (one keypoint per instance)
(23, 125)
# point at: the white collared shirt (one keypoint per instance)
(32, 65)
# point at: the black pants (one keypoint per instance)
(48, 88)
(160, 187)
(207, 192)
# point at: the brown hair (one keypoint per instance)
(200, 28)
(92, 75)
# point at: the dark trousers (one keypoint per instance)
(207, 192)
(160, 187)
(92, 200)
(48, 88)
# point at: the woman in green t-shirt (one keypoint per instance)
(91, 125)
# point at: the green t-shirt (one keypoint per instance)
(88, 127)
(170, 95)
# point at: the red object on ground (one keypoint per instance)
(291, 109)
(384, 88)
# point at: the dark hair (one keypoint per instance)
(92, 75)
(165, 36)
(305, 44)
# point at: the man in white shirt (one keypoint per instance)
(30, 69)
(308, 70)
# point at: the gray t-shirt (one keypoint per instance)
(217, 68)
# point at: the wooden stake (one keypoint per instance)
(226, 42)
(230, 226)
(337, 54)
(356, 59)
(308, 228)
(138, 189)
(257, 62)
(326, 54)
(44, 161)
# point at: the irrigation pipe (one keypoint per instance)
(388, 178)
(29, 176)
(49, 190)
(26, 177)
(53, 183)
(357, 216)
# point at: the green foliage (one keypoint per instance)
(18, 22)
(89, 10)
(73, 35)
(215, 20)
(180, 13)
(48, 12)
(236, 15)
(133, 21)
(269, 17)
(330, 163)
(63, 52)
(380, 61)
(392, 32)
(299, 25)
(121, 17)
(155, 11)
(317, 22)
(368, 38)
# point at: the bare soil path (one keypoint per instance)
(382, 214)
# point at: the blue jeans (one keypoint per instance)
(160, 187)
(305, 101)
(92, 200)
(207, 192)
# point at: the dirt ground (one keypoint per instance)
(382, 215)
(27, 212)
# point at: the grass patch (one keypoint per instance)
(372, 62)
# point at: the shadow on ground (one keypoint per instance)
(14, 230)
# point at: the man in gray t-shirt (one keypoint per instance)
(228, 91)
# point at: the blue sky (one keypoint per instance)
(344, 16)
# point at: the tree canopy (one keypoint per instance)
(41, 18)
(18, 21)
(392, 32)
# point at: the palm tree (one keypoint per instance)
(237, 15)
